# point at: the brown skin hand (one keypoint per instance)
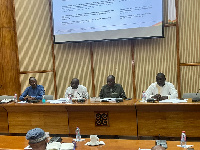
(159, 97)
(29, 98)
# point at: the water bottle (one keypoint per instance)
(70, 98)
(78, 134)
(183, 139)
(15, 98)
(143, 96)
(43, 100)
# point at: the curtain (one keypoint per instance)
(171, 12)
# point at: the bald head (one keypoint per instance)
(157, 147)
(33, 82)
(110, 80)
(160, 79)
(74, 83)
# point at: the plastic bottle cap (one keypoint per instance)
(183, 131)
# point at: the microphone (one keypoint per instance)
(79, 94)
(197, 92)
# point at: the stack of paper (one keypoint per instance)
(173, 101)
(67, 146)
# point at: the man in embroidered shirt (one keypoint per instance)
(37, 139)
(112, 89)
(33, 92)
(161, 90)
(76, 90)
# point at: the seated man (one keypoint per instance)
(37, 139)
(33, 92)
(157, 147)
(112, 89)
(161, 90)
(76, 90)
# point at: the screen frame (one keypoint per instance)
(102, 40)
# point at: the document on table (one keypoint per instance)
(58, 101)
(187, 146)
(22, 102)
(173, 101)
(54, 101)
(108, 100)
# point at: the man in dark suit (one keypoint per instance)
(112, 89)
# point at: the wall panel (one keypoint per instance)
(34, 35)
(9, 76)
(189, 22)
(153, 56)
(190, 76)
(6, 14)
(72, 61)
(9, 73)
(113, 58)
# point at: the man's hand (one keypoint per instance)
(164, 97)
(157, 96)
(29, 98)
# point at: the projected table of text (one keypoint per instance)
(71, 16)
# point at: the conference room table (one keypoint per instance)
(92, 118)
(3, 120)
(168, 119)
(128, 118)
(23, 117)
(20, 142)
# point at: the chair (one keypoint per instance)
(6, 97)
(48, 97)
(190, 95)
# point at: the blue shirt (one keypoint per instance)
(37, 92)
